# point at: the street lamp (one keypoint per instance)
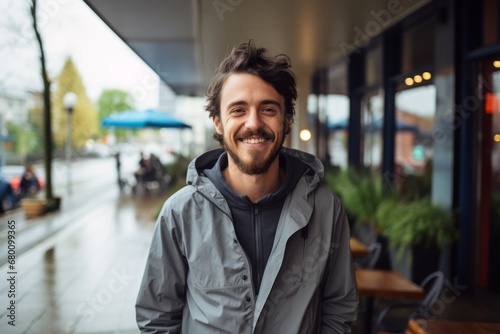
(69, 101)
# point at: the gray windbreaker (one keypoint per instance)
(197, 278)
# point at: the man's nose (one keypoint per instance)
(254, 120)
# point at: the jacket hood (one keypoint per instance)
(208, 159)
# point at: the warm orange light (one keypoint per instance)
(409, 81)
(417, 78)
(426, 75)
(492, 103)
(496, 138)
(496, 63)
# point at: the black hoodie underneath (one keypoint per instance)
(255, 223)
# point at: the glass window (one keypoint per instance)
(418, 46)
(372, 119)
(488, 171)
(415, 111)
(373, 66)
(336, 107)
(493, 108)
(491, 21)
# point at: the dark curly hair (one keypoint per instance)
(247, 58)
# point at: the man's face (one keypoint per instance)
(252, 122)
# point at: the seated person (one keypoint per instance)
(29, 184)
(145, 171)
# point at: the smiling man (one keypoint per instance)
(254, 243)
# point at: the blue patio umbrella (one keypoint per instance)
(137, 119)
(400, 126)
(372, 127)
(337, 125)
(4, 137)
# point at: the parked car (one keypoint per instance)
(8, 199)
(13, 174)
(97, 150)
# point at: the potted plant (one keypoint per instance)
(33, 206)
(417, 228)
(361, 193)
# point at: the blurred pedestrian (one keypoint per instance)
(255, 243)
(118, 163)
(29, 185)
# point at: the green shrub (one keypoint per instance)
(417, 222)
(360, 192)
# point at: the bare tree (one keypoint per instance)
(47, 126)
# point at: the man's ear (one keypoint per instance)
(217, 125)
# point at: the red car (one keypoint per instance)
(13, 174)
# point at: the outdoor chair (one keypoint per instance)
(392, 319)
(369, 261)
(151, 177)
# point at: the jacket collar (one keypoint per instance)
(208, 159)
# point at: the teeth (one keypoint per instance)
(254, 140)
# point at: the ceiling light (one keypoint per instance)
(497, 138)
(409, 81)
(305, 135)
(417, 78)
(496, 63)
(426, 75)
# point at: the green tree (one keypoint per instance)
(84, 119)
(113, 100)
(36, 124)
(26, 140)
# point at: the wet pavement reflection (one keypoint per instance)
(85, 278)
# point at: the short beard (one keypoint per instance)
(257, 165)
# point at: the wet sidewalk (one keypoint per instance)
(84, 277)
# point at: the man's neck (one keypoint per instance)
(254, 186)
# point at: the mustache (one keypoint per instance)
(260, 133)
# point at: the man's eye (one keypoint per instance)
(269, 110)
(237, 110)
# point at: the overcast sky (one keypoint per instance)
(70, 28)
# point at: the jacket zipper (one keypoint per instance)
(258, 251)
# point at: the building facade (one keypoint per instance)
(425, 94)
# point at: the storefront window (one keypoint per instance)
(418, 46)
(371, 124)
(491, 21)
(373, 68)
(337, 115)
(337, 120)
(488, 172)
(492, 107)
(415, 111)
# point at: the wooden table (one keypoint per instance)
(358, 249)
(451, 327)
(374, 283)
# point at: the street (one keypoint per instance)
(90, 181)
(77, 270)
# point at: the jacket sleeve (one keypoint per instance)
(340, 296)
(161, 297)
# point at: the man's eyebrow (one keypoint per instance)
(236, 103)
(244, 103)
(271, 102)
